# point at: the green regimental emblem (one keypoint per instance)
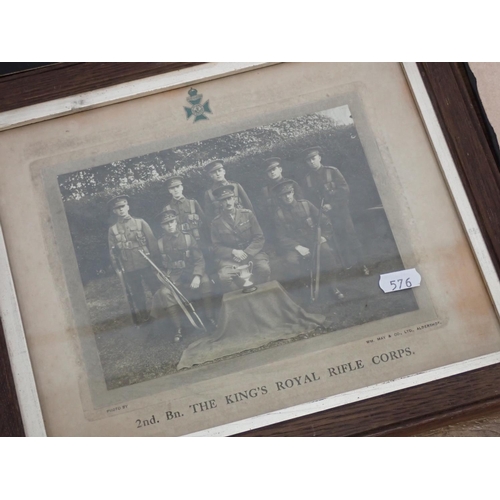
(197, 109)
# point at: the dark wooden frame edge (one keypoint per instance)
(404, 412)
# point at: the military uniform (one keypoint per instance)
(189, 212)
(268, 200)
(191, 216)
(182, 260)
(211, 203)
(329, 185)
(125, 239)
(240, 231)
(296, 225)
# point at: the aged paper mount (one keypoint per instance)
(281, 382)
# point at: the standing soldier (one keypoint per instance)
(183, 260)
(274, 175)
(190, 214)
(296, 223)
(215, 169)
(125, 239)
(237, 239)
(329, 185)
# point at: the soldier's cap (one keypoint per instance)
(166, 215)
(118, 201)
(213, 165)
(174, 181)
(283, 187)
(310, 152)
(223, 192)
(270, 163)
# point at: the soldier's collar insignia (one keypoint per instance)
(197, 109)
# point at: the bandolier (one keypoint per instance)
(180, 255)
(329, 184)
(126, 238)
(182, 260)
(190, 214)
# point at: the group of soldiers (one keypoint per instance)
(226, 234)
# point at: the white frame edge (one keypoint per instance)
(455, 186)
(482, 256)
(9, 307)
(348, 397)
(22, 371)
(122, 92)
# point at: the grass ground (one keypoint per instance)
(130, 355)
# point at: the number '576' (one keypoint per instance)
(398, 284)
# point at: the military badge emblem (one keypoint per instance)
(197, 109)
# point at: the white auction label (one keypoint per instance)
(399, 280)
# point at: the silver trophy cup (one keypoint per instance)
(245, 273)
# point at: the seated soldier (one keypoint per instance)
(295, 222)
(185, 266)
(215, 169)
(237, 239)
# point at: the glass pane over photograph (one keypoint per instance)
(237, 252)
(243, 242)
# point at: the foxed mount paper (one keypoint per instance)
(262, 351)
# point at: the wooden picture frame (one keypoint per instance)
(401, 412)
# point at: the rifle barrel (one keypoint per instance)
(316, 256)
(176, 290)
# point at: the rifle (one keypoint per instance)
(134, 310)
(315, 267)
(185, 305)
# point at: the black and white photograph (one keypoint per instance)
(237, 245)
(240, 243)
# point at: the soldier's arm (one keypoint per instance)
(198, 260)
(340, 192)
(326, 225)
(284, 241)
(112, 256)
(220, 250)
(209, 206)
(204, 224)
(257, 243)
(308, 193)
(264, 206)
(262, 202)
(299, 193)
(199, 210)
(151, 240)
(245, 200)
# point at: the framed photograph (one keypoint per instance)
(227, 247)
